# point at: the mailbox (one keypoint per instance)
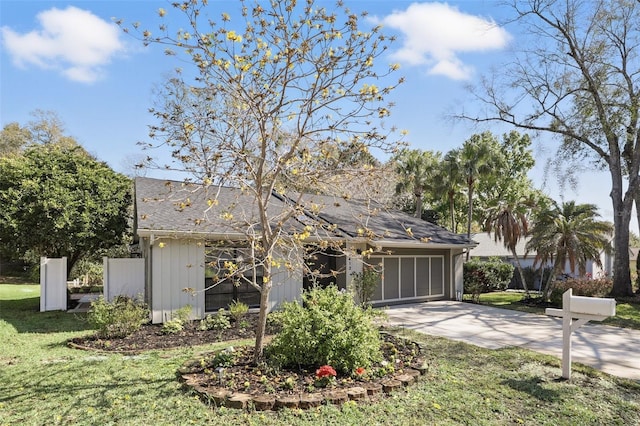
(592, 306)
(583, 309)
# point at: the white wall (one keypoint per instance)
(176, 265)
(123, 277)
(287, 287)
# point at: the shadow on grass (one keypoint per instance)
(25, 317)
(41, 386)
(533, 387)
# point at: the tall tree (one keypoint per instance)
(59, 201)
(417, 170)
(476, 162)
(449, 185)
(569, 234)
(507, 197)
(13, 138)
(274, 88)
(579, 75)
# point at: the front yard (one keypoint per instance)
(43, 381)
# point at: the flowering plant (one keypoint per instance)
(360, 373)
(325, 375)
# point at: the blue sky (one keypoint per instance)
(69, 57)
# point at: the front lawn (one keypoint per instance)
(627, 311)
(42, 381)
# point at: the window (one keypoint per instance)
(228, 276)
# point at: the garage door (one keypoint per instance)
(409, 277)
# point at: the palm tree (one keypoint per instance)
(509, 222)
(569, 233)
(475, 160)
(448, 184)
(416, 169)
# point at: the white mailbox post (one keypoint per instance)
(582, 309)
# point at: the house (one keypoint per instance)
(185, 234)
(488, 247)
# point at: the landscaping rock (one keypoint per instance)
(264, 402)
(218, 396)
(357, 393)
(288, 401)
(405, 379)
(337, 397)
(391, 386)
(373, 389)
(239, 401)
(311, 400)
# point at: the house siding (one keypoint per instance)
(176, 265)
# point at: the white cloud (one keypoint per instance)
(436, 33)
(73, 41)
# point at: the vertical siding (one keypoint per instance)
(123, 277)
(177, 265)
(287, 287)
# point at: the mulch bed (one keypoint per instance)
(246, 385)
(150, 337)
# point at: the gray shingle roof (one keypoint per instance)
(164, 206)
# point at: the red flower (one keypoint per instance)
(360, 371)
(325, 371)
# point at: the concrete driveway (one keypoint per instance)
(610, 349)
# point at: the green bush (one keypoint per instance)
(365, 283)
(328, 329)
(217, 321)
(238, 310)
(178, 320)
(173, 326)
(600, 287)
(119, 318)
(484, 276)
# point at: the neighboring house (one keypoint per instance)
(488, 247)
(182, 236)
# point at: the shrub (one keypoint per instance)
(119, 318)
(328, 329)
(485, 276)
(365, 283)
(179, 318)
(237, 311)
(581, 287)
(172, 326)
(217, 321)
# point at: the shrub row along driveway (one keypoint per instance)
(610, 349)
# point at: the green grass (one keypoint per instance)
(42, 381)
(627, 313)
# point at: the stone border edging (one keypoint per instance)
(364, 391)
(221, 397)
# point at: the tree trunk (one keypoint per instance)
(262, 316)
(519, 267)
(452, 214)
(638, 255)
(621, 220)
(546, 291)
(418, 212)
(470, 214)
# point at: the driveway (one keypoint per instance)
(610, 349)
